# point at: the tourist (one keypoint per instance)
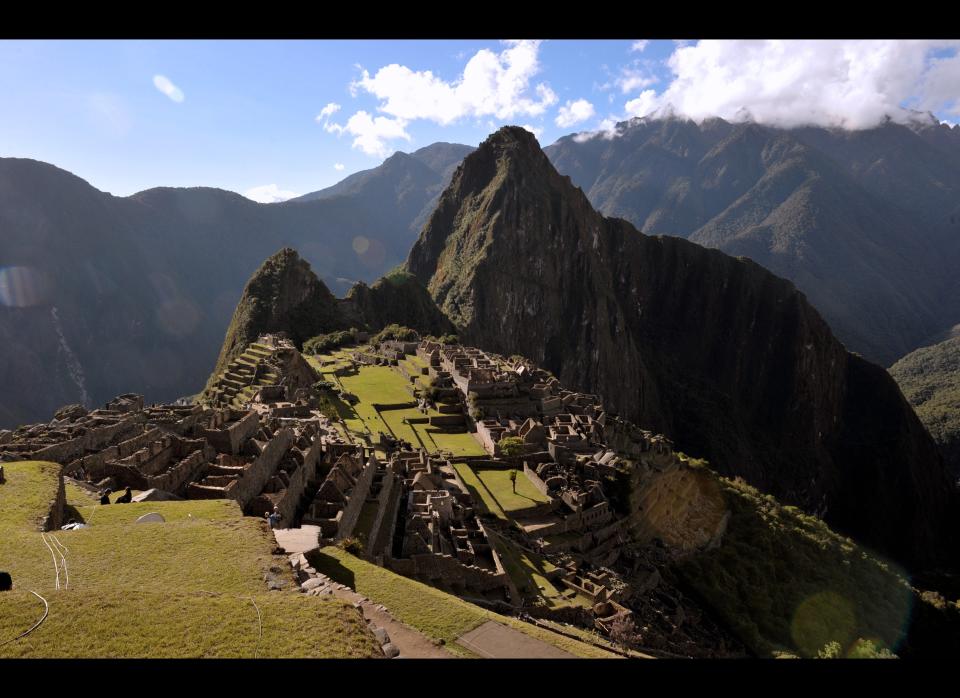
(6, 581)
(274, 518)
(105, 497)
(125, 498)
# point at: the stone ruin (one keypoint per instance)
(265, 455)
(438, 537)
(268, 371)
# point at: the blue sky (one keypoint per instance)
(288, 117)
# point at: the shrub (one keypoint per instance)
(398, 332)
(351, 545)
(511, 446)
(327, 342)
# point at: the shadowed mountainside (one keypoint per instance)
(715, 351)
(101, 295)
(865, 223)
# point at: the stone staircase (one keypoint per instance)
(244, 376)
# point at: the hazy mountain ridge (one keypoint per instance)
(863, 221)
(715, 351)
(145, 285)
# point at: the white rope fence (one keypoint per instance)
(46, 610)
(56, 567)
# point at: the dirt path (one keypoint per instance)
(412, 643)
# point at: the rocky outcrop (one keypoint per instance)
(397, 298)
(284, 295)
(727, 359)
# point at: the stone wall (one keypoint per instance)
(263, 467)
(54, 518)
(447, 420)
(351, 512)
(230, 437)
(438, 567)
(381, 533)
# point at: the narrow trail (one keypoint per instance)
(46, 611)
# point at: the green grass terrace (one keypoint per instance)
(435, 613)
(193, 586)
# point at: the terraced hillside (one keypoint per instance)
(238, 383)
(196, 585)
(386, 402)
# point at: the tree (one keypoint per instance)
(512, 446)
(513, 479)
(623, 631)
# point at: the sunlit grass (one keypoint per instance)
(435, 613)
(180, 588)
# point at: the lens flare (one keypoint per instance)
(360, 244)
(24, 287)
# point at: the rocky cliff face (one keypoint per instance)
(397, 298)
(863, 222)
(723, 356)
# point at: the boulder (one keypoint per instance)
(155, 495)
(391, 650)
(70, 412)
(312, 583)
(381, 635)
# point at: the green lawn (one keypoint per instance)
(498, 487)
(528, 572)
(433, 612)
(380, 384)
(384, 385)
(174, 624)
(26, 496)
(483, 500)
(181, 588)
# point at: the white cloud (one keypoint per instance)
(535, 130)
(338, 166)
(941, 85)
(643, 105)
(269, 194)
(574, 113)
(639, 46)
(371, 133)
(849, 84)
(632, 79)
(164, 84)
(328, 111)
(493, 84)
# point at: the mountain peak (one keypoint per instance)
(283, 295)
(520, 262)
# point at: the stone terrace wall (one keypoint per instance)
(263, 467)
(351, 512)
(54, 518)
(447, 569)
(231, 437)
(381, 534)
